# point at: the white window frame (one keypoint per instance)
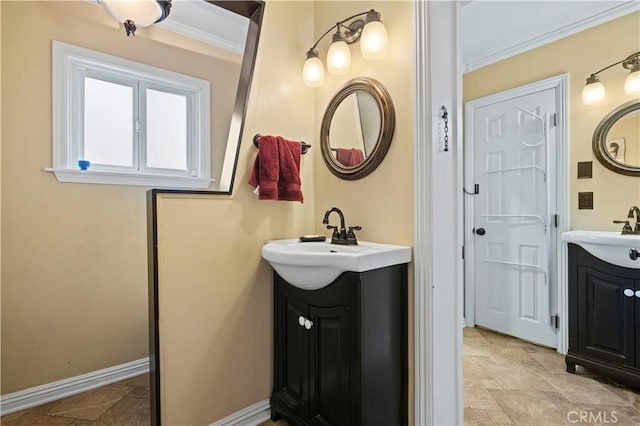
(70, 65)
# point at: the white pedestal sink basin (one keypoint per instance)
(612, 247)
(314, 265)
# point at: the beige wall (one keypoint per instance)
(579, 55)
(229, 286)
(74, 293)
(215, 291)
(382, 203)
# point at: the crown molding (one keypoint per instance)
(205, 37)
(170, 24)
(551, 36)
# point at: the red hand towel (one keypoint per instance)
(266, 169)
(277, 169)
(289, 183)
(349, 157)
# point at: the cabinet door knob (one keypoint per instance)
(638, 294)
(628, 292)
(308, 324)
(301, 321)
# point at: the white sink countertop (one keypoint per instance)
(612, 247)
(313, 265)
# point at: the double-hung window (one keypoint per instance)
(128, 123)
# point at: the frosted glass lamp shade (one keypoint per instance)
(339, 58)
(142, 12)
(373, 42)
(632, 83)
(593, 91)
(313, 70)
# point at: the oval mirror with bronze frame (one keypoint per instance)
(616, 140)
(357, 128)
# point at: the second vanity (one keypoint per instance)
(340, 333)
(604, 304)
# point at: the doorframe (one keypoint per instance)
(559, 84)
(437, 193)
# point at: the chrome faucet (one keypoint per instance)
(636, 210)
(342, 236)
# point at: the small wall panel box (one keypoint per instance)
(585, 169)
(585, 200)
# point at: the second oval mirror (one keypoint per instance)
(357, 128)
(616, 142)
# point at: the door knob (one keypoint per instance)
(628, 292)
(308, 324)
(301, 321)
(633, 254)
(480, 231)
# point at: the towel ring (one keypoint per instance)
(305, 146)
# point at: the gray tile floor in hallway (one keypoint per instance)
(506, 382)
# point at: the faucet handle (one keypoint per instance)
(351, 234)
(626, 229)
(335, 233)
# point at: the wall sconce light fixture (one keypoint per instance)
(135, 14)
(594, 90)
(373, 45)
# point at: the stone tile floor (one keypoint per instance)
(507, 381)
(125, 403)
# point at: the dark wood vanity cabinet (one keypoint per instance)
(604, 317)
(340, 352)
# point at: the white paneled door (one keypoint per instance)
(514, 166)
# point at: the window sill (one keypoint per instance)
(119, 178)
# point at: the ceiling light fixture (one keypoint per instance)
(594, 91)
(373, 46)
(135, 14)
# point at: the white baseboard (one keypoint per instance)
(250, 416)
(39, 395)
